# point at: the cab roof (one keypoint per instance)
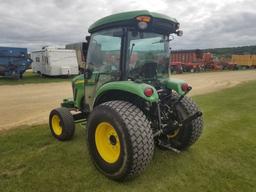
(126, 17)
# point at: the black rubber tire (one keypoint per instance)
(66, 122)
(135, 136)
(189, 134)
(21, 75)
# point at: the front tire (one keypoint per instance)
(120, 139)
(62, 124)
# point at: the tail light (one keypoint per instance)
(185, 87)
(148, 92)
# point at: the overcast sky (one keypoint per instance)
(206, 23)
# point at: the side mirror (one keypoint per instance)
(179, 33)
(87, 74)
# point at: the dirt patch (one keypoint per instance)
(203, 83)
(31, 104)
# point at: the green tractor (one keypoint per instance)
(126, 96)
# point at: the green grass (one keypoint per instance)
(30, 77)
(224, 159)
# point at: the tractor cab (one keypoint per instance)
(131, 46)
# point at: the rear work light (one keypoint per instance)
(142, 25)
(148, 92)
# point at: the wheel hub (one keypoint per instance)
(173, 134)
(56, 125)
(107, 142)
(112, 139)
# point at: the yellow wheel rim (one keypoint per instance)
(107, 142)
(57, 129)
(174, 134)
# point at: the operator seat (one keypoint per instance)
(149, 70)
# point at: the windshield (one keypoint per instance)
(148, 55)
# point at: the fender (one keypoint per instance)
(128, 86)
(174, 84)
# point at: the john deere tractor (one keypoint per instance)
(126, 96)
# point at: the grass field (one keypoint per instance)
(30, 77)
(223, 159)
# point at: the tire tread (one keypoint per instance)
(140, 133)
(197, 124)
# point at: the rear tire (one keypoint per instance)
(61, 124)
(132, 139)
(184, 137)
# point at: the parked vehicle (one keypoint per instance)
(81, 50)
(55, 62)
(14, 61)
(244, 61)
(176, 67)
(190, 60)
(198, 61)
(129, 106)
(193, 67)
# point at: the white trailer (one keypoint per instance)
(55, 62)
